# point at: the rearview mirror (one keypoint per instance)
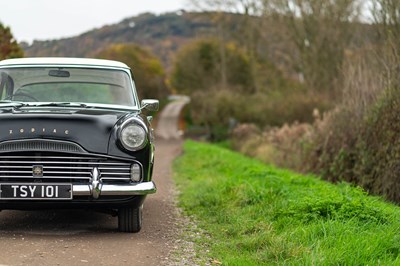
(59, 73)
(150, 105)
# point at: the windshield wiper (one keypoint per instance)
(18, 105)
(62, 104)
(12, 104)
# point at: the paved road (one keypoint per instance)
(89, 238)
(168, 119)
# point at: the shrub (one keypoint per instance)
(282, 146)
(246, 138)
(357, 142)
(378, 161)
(276, 109)
(213, 110)
(219, 110)
(333, 151)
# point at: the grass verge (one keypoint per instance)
(255, 214)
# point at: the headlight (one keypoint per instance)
(133, 136)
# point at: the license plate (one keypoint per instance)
(33, 191)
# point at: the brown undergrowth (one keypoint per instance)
(357, 141)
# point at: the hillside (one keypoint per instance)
(162, 34)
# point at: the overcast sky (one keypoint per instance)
(53, 19)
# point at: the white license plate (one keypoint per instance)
(35, 191)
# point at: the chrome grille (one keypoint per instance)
(77, 169)
(40, 145)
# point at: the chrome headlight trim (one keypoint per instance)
(133, 122)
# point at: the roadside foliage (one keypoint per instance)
(330, 102)
(225, 91)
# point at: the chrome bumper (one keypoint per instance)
(114, 190)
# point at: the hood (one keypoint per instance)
(90, 128)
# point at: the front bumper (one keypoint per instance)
(143, 188)
(106, 197)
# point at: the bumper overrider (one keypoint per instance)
(96, 191)
(97, 188)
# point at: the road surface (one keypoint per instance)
(169, 118)
(90, 238)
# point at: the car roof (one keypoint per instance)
(62, 61)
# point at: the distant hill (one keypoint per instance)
(162, 34)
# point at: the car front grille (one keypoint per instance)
(40, 145)
(59, 168)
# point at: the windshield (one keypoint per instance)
(66, 84)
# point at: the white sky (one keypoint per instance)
(53, 19)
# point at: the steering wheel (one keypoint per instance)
(22, 94)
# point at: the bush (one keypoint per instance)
(359, 142)
(378, 161)
(219, 110)
(214, 110)
(365, 152)
(334, 141)
(282, 146)
(276, 109)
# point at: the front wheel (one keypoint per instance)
(130, 219)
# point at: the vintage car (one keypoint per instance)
(73, 135)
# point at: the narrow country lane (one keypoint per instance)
(169, 118)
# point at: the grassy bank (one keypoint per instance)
(255, 214)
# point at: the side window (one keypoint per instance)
(3, 77)
(2, 94)
(6, 86)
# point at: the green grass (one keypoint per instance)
(255, 214)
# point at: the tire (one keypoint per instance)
(130, 219)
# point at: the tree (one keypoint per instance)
(237, 20)
(199, 64)
(386, 15)
(321, 31)
(147, 69)
(9, 47)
